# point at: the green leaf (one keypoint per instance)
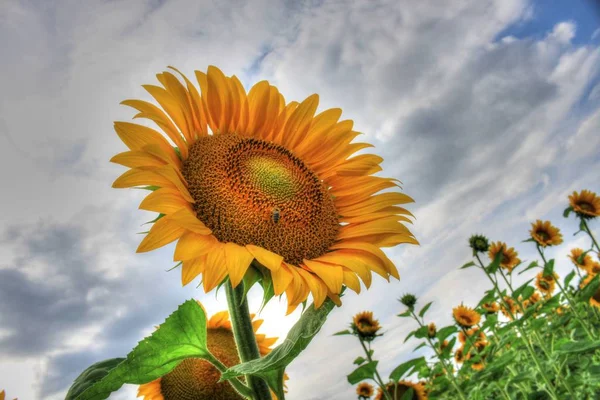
(424, 309)
(363, 372)
(423, 344)
(341, 333)
(531, 265)
(520, 290)
(567, 212)
(359, 360)
(403, 368)
(569, 278)
(527, 292)
(408, 395)
(590, 289)
(578, 347)
(443, 333)
(181, 336)
(489, 297)
(468, 265)
(411, 334)
(549, 268)
(405, 314)
(272, 366)
(92, 375)
(421, 332)
(493, 267)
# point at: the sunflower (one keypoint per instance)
(546, 284)
(595, 299)
(465, 316)
(512, 308)
(459, 355)
(398, 390)
(545, 234)
(491, 308)
(585, 204)
(3, 395)
(431, 330)
(587, 261)
(364, 390)
(462, 337)
(508, 259)
(365, 326)
(444, 345)
(254, 182)
(197, 379)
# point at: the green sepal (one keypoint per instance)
(341, 333)
(181, 336)
(154, 220)
(567, 211)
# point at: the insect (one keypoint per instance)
(276, 214)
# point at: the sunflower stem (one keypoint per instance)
(441, 358)
(235, 382)
(378, 379)
(245, 340)
(549, 388)
(590, 234)
(569, 300)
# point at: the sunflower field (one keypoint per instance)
(540, 340)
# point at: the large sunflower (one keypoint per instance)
(399, 390)
(585, 203)
(196, 379)
(545, 234)
(254, 180)
(508, 259)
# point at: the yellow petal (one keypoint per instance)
(278, 129)
(141, 177)
(332, 275)
(164, 201)
(192, 245)
(267, 258)
(135, 159)
(169, 172)
(171, 106)
(191, 269)
(238, 259)
(321, 123)
(243, 112)
(196, 106)
(168, 157)
(183, 99)
(218, 98)
(375, 203)
(162, 232)
(137, 136)
(299, 122)
(316, 286)
(383, 225)
(215, 270)
(357, 265)
(351, 280)
(369, 248)
(282, 278)
(258, 106)
(364, 164)
(187, 219)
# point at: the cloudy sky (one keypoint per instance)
(487, 111)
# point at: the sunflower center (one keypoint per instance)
(586, 206)
(543, 235)
(196, 379)
(504, 259)
(250, 191)
(466, 320)
(364, 323)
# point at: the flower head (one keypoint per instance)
(459, 355)
(255, 182)
(546, 284)
(197, 379)
(364, 390)
(508, 257)
(365, 326)
(431, 330)
(491, 308)
(409, 300)
(585, 204)
(399, 390)
(479, 244)
(466, 316)
(545, 234)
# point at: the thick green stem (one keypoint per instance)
(589, 232)
(244, 337)
(377, 376)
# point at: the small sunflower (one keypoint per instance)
(466, 316)
(508, 259)
(255, 182)
(431, 330)
(197, 379)
(364, 390)
(535, 298)
(546, 284)
(365, 326)
(595, 299)
(444, 345)
(397, 391)
(512, 308)
(3, 395)
(585, 204)
(560, 310)
(586, 261)
(545, 234)
(491, 308)
(459, 355)
(478, 366)
(462, 337)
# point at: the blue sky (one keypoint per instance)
(487, 111)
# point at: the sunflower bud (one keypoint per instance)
(479, 244)
(409, 300)
(431, 330)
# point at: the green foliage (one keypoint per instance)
(364, 372)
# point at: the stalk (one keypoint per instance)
(589, 232)
(377, 376)
(244, 337)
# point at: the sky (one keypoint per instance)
(486, 110)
